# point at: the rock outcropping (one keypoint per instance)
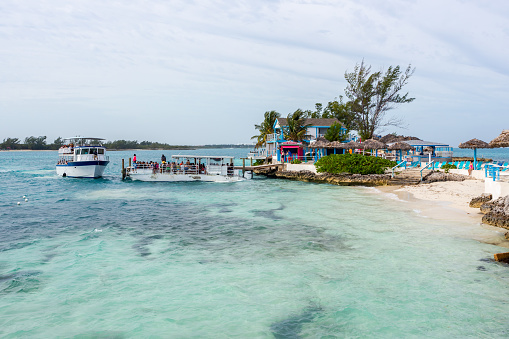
(477, 202)
(496, 213)
(343, 179)
(442, 176)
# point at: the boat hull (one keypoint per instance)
(167, 177)
(82, 169)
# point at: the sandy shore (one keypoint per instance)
(449, 200)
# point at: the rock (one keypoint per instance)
(342, 179)
(497, 212)
(478, 201)
(442, 176)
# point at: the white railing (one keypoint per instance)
(270, 137)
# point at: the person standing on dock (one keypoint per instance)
(163, 159)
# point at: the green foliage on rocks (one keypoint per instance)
(353, 163)
(447, 167)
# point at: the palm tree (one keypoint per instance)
(266, 127)
(297, 128)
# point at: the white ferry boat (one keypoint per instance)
(82, 158)
(186, 168)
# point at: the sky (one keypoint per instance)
(204, 72)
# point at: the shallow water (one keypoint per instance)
(259, 259)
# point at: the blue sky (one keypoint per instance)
(198, 72)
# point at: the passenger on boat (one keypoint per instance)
(163, 159)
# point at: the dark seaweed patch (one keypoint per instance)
(292, 326)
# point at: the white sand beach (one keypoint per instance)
(449, 200)
(456, 193)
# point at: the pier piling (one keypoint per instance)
(123, 169)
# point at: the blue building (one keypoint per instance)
(276, 143)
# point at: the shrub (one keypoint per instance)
(353, 163)
(447, 167)
(258, 162)
(296, 161)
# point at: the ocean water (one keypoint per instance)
(262, 258)
(496, 154)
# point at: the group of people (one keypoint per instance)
(174, 167)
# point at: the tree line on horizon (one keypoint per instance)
(369, 96)
(40, 143)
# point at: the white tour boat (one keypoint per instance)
(187, 168)
(82, 158)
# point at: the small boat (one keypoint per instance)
(82, 158)
(186, 168)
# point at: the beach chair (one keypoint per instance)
(437, 165)
(467, 165)
(479, 165)
(460, 166)
(456, 164)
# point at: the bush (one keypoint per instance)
(353, 163)
(258, 162)
(447, 167)
(296, 161)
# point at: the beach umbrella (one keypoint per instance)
(400, 146)
(474, 144)
(501, 141)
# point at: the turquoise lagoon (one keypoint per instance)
(262, 258)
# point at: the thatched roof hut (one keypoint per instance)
(474, 143)
(337, 144)
(373, 144)
(502, 140)
(352, 145)
(402, 146)
(319, 144)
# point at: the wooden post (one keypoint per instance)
(251, 162)
(123, 170)
(243, 166)
(129, 162)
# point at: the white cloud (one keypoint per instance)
(214, 67)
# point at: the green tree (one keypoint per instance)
(12, 143)
(58, 142)
(343, 112)
(297, 129)
(265, 128)
(35, 142)
(373, 94)
(335, 133)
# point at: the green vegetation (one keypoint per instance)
(31, 143)
(447, 167)
(39, 143)
(353, 163)
(297, 129)
(370, 96)
(334, 133)
(296, 161)
(266, 127)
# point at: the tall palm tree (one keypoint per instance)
(297, 128)
(265, 128)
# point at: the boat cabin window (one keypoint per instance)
(100, 151)
(84, 151)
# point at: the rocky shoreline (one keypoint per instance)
(343, 179)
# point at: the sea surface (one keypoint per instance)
(263, 258)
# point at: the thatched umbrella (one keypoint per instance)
(501, 141)
(400, 146)
(475, 144)
(352, 145)
(373, 144)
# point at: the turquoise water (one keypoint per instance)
(497, 154)
(262, 258)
